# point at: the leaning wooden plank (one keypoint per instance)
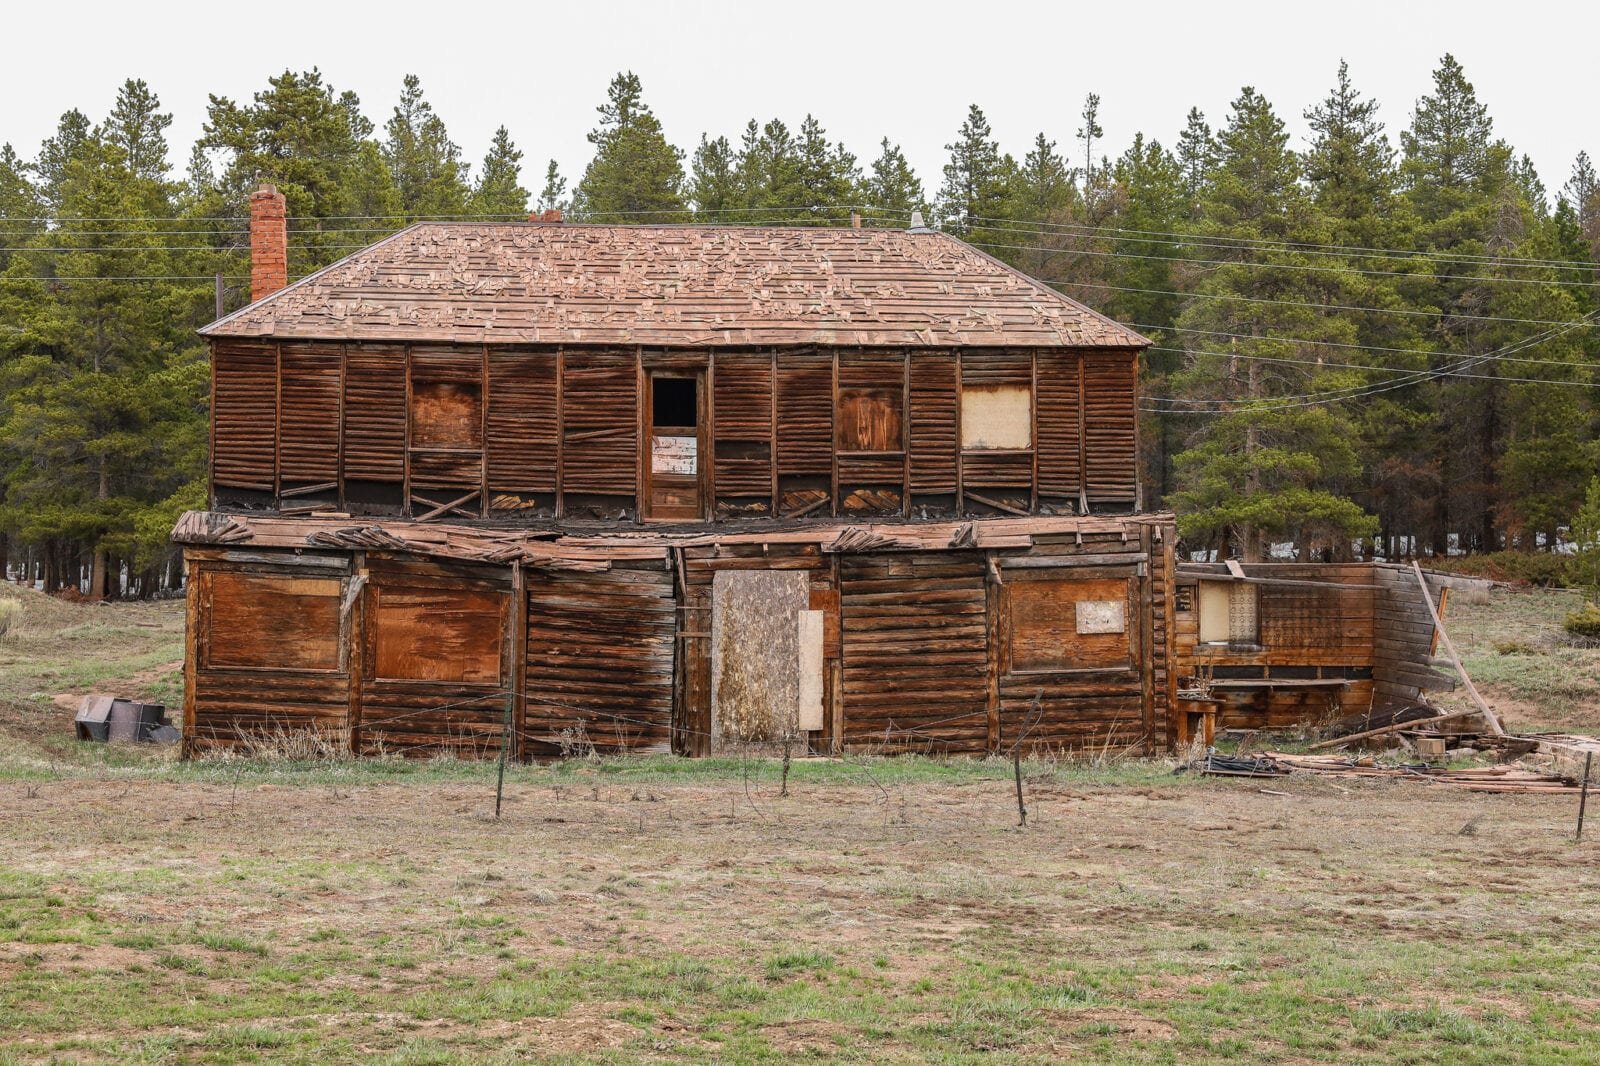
(1450, 648)
(1391, 728)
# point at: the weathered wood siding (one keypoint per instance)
(1404, 640)
(916, 652)
(267, 655)
(1312, 637)
(600, 660)
(469, 431)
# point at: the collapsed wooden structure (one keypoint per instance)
(632, 488)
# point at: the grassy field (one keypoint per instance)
(676, 911)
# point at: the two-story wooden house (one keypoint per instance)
(646, 487)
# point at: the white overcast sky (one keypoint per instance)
(865, 69)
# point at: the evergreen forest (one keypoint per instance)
(1381, 342)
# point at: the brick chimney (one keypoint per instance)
(269, 242)
(545, 216)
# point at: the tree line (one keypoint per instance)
(1375, 344)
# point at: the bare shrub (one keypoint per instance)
(575, 742)
(10, 619)
(281, 744)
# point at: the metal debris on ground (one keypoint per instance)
(1236, 766)
(108, 718)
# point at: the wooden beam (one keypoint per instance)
(1392, 727)
(454, 505)
(1450, 648)
(997, 505)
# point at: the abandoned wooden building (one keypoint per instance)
(675, 488)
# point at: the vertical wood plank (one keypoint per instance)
(344, 356)
(1169, 620)
(191, 650)
(905, 430)
(961, 488)
(277, 423)
(708, 445)
(355, 650)
(1147, 663)
(517, 648)
(1033, 427)
(833, 450)
(642, 426)
(772, 450)
(561, 429)
(1083, 445)
(483, 433)
(405, 477)
(994, 617)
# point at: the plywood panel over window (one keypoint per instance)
(446, 414)
(870, 420)
(1060, 625)
(443, 634)
(996, 416)
(271, 622)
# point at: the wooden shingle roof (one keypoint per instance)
(674, 286)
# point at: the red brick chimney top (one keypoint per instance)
(553, 215)
(269, 242)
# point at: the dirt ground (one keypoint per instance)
(1149, 918)
(886, 910)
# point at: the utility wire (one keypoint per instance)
(1177, 237)
(1301, 267)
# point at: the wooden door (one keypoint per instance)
(676, 461)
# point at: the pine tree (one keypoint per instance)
(1351, 171)
(893, 190)
(1092, 178)
(72, 133)
(635, 175)
(138, 127)
(499, 190)
(425, 163)
(977, 180)
(1264, 466)
(826, 173)
(1196, 153)
(1582, 192)
(712, 185)
(766, 172)
(20, 205)
(306, 139)
(102, 420)
(553, 197)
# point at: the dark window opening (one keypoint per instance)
(675, 403)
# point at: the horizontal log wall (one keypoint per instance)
(1405, 637)
(600, 661)
(917, 652)
(471, 431)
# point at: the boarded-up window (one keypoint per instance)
(870, 420)
(258, 621)
(996, 416)
(425, 634)
(1068, 625)
(1228, 613)
(446, 414)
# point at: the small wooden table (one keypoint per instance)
(1197, 719)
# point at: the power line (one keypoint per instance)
(1314, 364)
(1354, 347)
(1177, 237)
(1302, 267)
(1312, 399)
(1231, 297)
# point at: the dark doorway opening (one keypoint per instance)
(674, 403)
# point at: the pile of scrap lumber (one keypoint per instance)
(1472, 779)
(1503, 778)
